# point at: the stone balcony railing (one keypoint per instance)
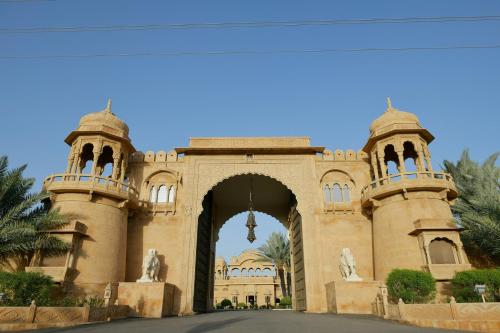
(248, 280)
(84, 183)
(407, 182)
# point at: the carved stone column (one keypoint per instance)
(420, 161)
(116, 160)
(401, 161)
(373, 160)
(383, 168)
(428, 160)
(123, 169)
(96, 153)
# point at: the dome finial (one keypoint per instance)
(389, 105)
(108, 106)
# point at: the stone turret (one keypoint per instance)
(410, 202)
(94, 190)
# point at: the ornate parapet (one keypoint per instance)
(341, 155)
(408, 182)
(83, 183)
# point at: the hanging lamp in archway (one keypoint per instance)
(251, 216)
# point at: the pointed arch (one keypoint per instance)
(337, 193)
(162, 194)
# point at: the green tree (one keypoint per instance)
(20, 288)
(477, 208)
(25, 222)
(226, 303)
(411, 286)
(277, 250)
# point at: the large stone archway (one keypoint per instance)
(230, 197)
(346, 199)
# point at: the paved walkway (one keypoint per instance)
(253, 322)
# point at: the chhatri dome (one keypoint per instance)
(102, 121)
(393, 116)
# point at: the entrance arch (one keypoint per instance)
(230, 197)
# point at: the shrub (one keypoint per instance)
(226, 303)
(69, 300)
(462, 285)
(20, 288)
(242, 305)
(411, 286)
(285, 301)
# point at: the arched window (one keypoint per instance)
(250, 272)
(337, 193)
(152, 194)
(392, 168)
(442, 251)
(410, 157)
(86, 159)
(235, 272)
(326, 191)
(107, 171)
(258, 272)
(266, 272)
(162, 194)
(391, 161)
(244, 272)
(105, 162)
(347, 195)
(171, 194)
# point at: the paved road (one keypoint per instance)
(252, 322)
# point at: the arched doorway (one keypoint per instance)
(229, 198)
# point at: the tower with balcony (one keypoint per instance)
(95, 194)
(409, 201)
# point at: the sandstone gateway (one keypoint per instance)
(385, 204)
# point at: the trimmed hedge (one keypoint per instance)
(285, 301)
(462, 285)
(411, 286)
(226, 303)
(20, 288)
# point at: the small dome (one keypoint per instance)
(106, 119)
(394, 116)
(220, 259)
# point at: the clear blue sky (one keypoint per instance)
(330, 97)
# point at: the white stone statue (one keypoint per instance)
(348, 266)
(150, 267)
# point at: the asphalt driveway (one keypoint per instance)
(263, 321)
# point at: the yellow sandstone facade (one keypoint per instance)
(352, 216)
(247, 279)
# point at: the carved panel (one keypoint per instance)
(427, 311)
(13, 314)
(478, 311)
(62, 314)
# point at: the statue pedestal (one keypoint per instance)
(352, 297)
(147, 299)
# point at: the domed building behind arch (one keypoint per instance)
(146, 223)
(248, 280)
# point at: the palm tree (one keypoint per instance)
(25, 221)
(277, 250)
(477, 209)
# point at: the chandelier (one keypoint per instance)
(251, 216)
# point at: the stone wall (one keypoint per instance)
(482, 317)
(20, 318)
